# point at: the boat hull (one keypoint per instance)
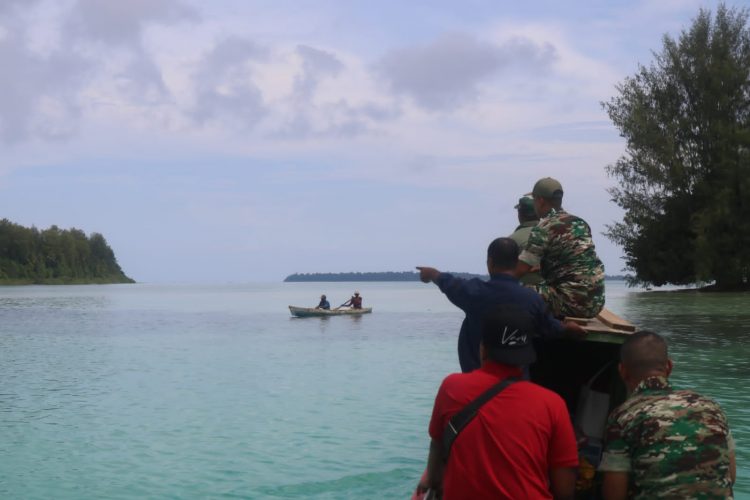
(312, 312)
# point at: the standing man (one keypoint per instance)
(476, 297)
(527, 219)
(561, 245)
(521, 442)
(663, 443)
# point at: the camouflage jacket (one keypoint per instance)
(573, 275)
(521, 236)
(673, 444)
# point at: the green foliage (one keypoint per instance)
(684, 181)
(55, 256)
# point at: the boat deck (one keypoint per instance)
(606, 327)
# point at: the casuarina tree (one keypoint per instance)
(684, 180)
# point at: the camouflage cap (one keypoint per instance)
(548, 188)
(525, 204)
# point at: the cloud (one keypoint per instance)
(328, 99)
(316, 64)
(10, 5)
(141, 80)
(118, 22)
(38, 94)
(224, 89)
(447, 72)
(120, 25)
(56, 56)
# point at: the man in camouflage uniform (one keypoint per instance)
(527, 219)
(663, 443)
(561, 245)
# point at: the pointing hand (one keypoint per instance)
(427, 274)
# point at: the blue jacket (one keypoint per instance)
(476, 297)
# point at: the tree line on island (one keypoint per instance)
(55, 256)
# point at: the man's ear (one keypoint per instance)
(669, 367)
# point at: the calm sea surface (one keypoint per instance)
(155, 391)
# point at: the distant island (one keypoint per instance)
(381, 276)
(55, 256)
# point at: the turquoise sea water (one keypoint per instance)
(151, 391)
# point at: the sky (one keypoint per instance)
(242, 141)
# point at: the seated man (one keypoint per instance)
(355, 302)
(527, 219)
(663, 443)
(561, 245)
(324, 304)
(475, 297)
(521, 442)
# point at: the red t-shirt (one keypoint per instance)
(508, 449)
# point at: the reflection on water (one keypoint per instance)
(72, 302)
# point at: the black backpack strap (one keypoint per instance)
(468, 412)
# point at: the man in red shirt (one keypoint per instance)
(521, 443)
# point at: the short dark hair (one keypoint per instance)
(527, 215)
(503, 252)
(507, 332)
(556, 202)
(644, 352)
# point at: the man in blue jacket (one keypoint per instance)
(476, 297)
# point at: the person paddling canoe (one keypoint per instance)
(355, 302)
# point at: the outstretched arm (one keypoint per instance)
(521, 269)
(573, 330)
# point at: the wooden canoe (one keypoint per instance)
(310, 312)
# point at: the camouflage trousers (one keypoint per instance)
(578, 300)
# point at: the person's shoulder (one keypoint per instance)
(666, 406)
(575, 222)
(527, 294)
(455, 384)
(690, 398)
(475, 283)
(520, 235)
(634, 405)
(553, 221)
(539, 393)
(458, 378)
